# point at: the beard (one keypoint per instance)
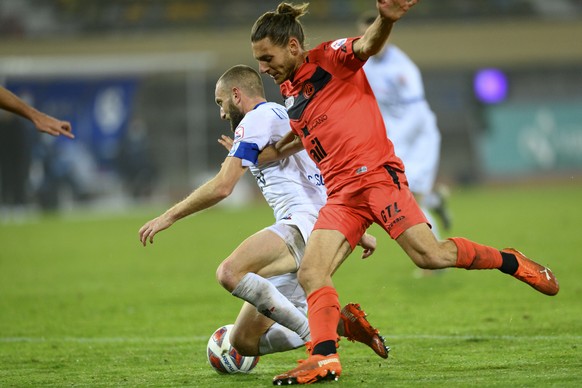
(236, 116)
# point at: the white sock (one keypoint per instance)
(279, 339)
(262, 294)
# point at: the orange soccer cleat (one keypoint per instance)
(315, 368)
(357, 328)
(539, 277)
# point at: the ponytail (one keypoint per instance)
(280, 25)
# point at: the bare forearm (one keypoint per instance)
(374, 38)
(207, 195)
(284, 148)
(14, 104)
(41, 121)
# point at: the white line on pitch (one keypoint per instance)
(205, 338)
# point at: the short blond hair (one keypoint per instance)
(244, 77)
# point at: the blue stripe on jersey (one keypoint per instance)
(247, 151)
(279, 114)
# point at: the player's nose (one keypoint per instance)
(263, 67)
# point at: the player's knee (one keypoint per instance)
(225, 276)
(303, 276)
(430, 260)
(423, 263)
(310, 278)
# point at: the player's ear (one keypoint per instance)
(236, 95)
(294, 46)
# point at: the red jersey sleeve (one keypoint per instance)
(338, 57)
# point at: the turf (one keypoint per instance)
(83, 304)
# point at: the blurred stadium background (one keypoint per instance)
(136, 79)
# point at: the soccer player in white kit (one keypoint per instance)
(262, 269)
(410, 123)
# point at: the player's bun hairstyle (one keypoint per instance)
(280, 25)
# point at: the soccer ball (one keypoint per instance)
(223, 358)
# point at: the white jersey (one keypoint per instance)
(410, 123)
(293, 187)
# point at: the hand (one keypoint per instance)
(152, 227)
(226, 142)
(368, 242)
(393, 10)
(52, 126)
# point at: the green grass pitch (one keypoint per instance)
(82, 303)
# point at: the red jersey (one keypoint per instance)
(333, 110)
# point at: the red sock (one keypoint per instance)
(471, 255)
(323, 313)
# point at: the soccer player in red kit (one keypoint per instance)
(335, 117)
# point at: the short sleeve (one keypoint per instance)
(247, 152)
(338, 57)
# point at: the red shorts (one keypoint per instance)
(381, 196)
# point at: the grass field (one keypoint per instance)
(82, 303)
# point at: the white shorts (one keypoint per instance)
(288, 284)
(295, 233)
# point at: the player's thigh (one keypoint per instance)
(264, 253)
(326, 250)
(249, 327)
(393, 206)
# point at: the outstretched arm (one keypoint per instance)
(207, 195)
(375, 37)
(287, 146)
(43, 122)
